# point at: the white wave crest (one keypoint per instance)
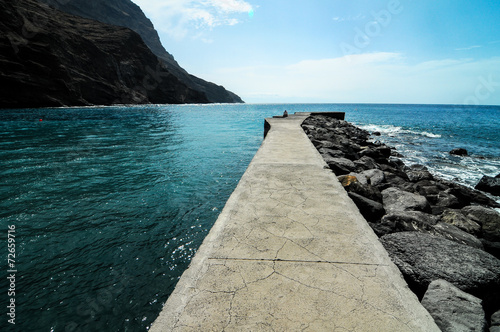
(391, 130)
(427, 134)
(384, 129)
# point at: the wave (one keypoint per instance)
(384, 129)
(391, 130)
(422, 133)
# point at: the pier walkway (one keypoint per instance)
(291, 252)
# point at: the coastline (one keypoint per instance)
(405, 205)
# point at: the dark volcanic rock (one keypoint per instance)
(468, 196)
(398, 200)
(489, 184)
(459, 152)
(455, 234)
(50, 58)
(454, 310)
(396, 154)
(428, 188)
(458, 219)
(491, 247)
(442, 201)
(418, 173)
(408, 221)
(370, 209)
(331, 152)
(424, 247)
(352, 184)
(495, 322)
(365, 163)
(127, 14)
(376, 153)
(340, 166)
(374, 176)
(399, 180)
(415, 176)
(423, 258)
(489, 220)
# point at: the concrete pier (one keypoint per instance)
(291, 252)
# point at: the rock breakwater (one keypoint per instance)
(433, 229)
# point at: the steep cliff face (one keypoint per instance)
(127, 14)
(51, 58)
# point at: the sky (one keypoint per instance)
(338, 51)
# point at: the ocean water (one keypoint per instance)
(111, 203)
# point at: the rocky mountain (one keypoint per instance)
(51, 58)
(127, 14)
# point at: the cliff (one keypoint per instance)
(50, 58)
(127, 14)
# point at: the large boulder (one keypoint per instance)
(378, 153)
(429, 188)
(374, 176)
(468, 196)
(407, 221)
(370, 209)
(329, 152)
(423, 258)
(489, 184)
(491, 247)
(443, 201)
(322, 143)
(398, 200)
(459, 152)
(458, 219)
(454, 310)
(359, 184)
(495, 322)
(346, 180)
(366, 163)
(340, 166)
(418, 173)
(455, 234)
(489, 220)
(397, 179)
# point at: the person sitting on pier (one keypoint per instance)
(285, 114)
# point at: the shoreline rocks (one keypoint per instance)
(489, 184)
(459, 152)
(452, 309)
(432, 228)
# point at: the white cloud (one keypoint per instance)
(231, 6)
(182, 18)
(368, 78)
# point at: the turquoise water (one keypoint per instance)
(110, 204)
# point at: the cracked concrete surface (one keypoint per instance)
(291, 252)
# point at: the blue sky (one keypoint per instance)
(339, 51)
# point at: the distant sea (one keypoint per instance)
(111, 203)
